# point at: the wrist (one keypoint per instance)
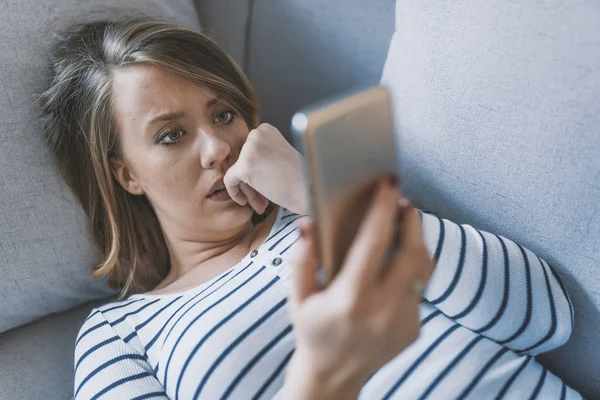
(300, 200)
(306, 380)
(301, 204)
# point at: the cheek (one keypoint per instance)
(239, 137)
(168, 174)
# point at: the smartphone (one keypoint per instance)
(348, 143)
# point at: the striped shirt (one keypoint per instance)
(489, 308)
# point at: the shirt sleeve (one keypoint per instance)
(496, 287)
(106, 367)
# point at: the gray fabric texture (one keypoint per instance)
(226, 22)
(36, 360)
(498, 121)
(44, 243)
(304, 50)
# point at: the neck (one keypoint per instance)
(212, 256)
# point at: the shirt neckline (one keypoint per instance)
(217, 277)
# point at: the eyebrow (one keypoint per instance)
(179, 115)
(167, 117)
(212, 102)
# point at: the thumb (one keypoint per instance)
(304, 281)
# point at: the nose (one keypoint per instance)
(214, 150)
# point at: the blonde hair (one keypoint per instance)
(80, 129)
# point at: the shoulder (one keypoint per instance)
(286, 217)
(100, 320)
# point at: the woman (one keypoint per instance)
(199, 214)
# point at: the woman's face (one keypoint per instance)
(177, 140)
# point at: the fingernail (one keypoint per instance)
(393, 181)
(403, 202)
(303, 231)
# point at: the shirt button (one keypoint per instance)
(277, 261)
(254, 253)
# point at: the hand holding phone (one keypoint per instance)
(348, 330)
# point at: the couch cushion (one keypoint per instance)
(36, 360)
(301, 51)
(227, 22)
(44, 245)
(498, 120)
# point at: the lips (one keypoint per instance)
(218, 185)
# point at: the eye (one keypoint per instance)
(171, 136)
(224, 117)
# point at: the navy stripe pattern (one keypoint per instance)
(496, 288)
(489, 307)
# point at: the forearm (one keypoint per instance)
(495, 287)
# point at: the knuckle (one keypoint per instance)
(251, 135)
(243, 176)
(263, 130)
(250, 195)
(241, 166)
(256, 133)
(252, 140)
(250, 150)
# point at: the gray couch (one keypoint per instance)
(498, 116)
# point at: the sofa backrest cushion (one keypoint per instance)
(45, 248)
(497, 108)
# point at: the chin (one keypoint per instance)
(239, 215)
(236, 214)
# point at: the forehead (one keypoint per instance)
(143, 90)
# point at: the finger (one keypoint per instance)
(403, 202)
(413, 240)
(403, 205)
(255, 199)
(232, 185)
(374, 236)
(304, 282)
(264, 200)
(411, 227)
(412, 264)
(408, 275)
